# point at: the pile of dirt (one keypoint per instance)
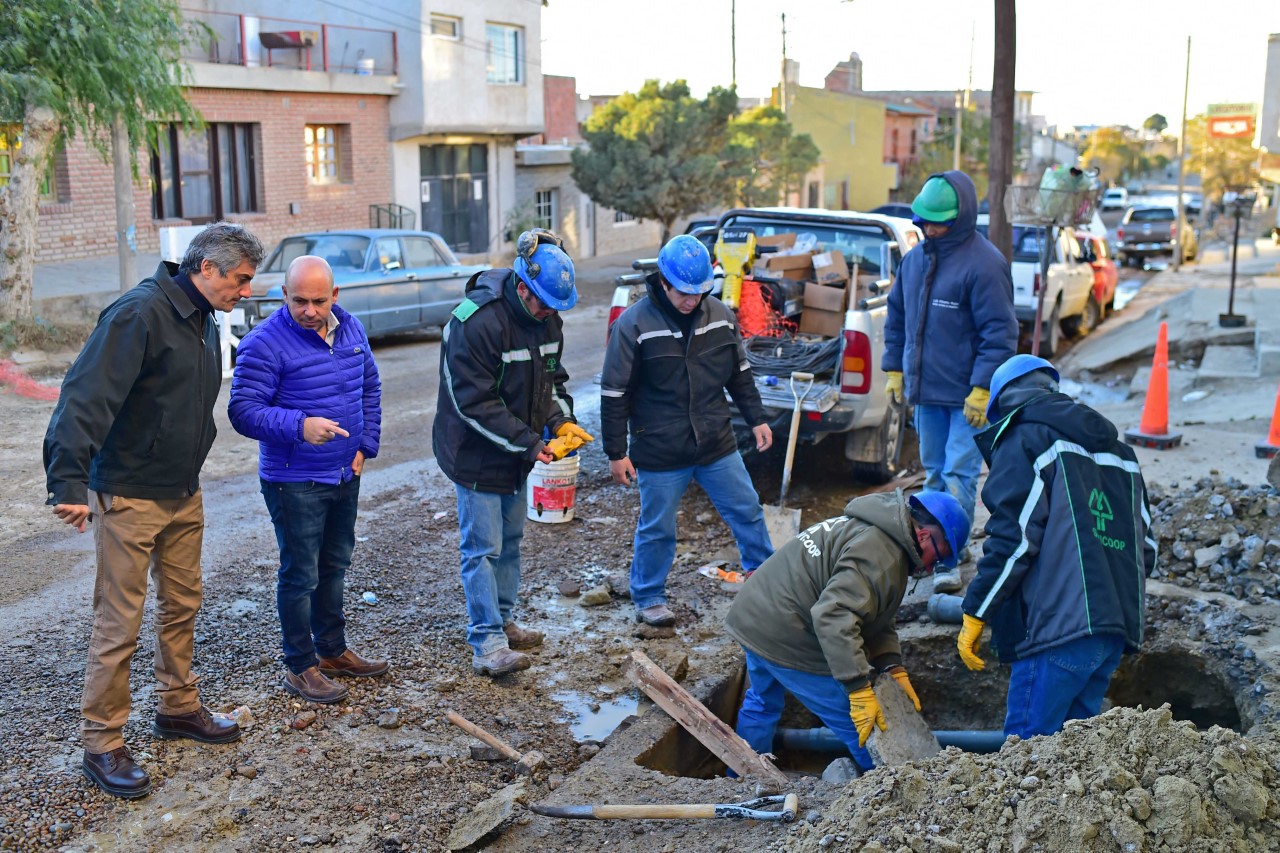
(1219, 536)
(1127, 780)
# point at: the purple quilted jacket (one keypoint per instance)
(285, 374)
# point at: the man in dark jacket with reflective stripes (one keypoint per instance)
(307, 388)
(669, 360)
(502, 381)
(125, 445)
(1063, 572)
(950, 325)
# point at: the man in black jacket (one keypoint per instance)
(501, 382)
(124, 449)
(669, 360)
(1063, 572)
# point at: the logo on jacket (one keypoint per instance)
(1100, 507)
(550, 364)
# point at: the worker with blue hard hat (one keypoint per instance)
(670, 358)
(1062, 577)
(950, 324)
(817, 619)
(502, 382)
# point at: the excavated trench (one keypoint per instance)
(1197, 687)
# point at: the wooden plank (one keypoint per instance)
(711, 731)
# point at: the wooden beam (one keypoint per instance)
(711, 731)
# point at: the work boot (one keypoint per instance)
(116, 773)
(521, 638)
(500, 662)
(312, 685)
(657, 615)
(947, 581)
(198, 725)
(350, 663)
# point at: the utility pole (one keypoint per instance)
(126, 222)
(962, 102)
(784, 63)
(733, 43)
(1182, 158)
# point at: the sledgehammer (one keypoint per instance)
(526, 764)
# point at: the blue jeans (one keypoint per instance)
(949, 454)
(1064, 683)
(728, 485)
(316, 531)
(821, 694)
(492, 526)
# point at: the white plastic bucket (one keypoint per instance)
(552, 489)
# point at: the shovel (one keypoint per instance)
(749, 810)
(783, 523)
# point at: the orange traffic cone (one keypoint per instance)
(1154, 429)
(1269, 448)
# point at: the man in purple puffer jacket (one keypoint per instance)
(307, 388)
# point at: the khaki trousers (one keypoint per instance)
(134, 536)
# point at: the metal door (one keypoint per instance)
(455, 194)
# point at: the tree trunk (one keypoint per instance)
(1001, 155)
(20, 211)
(126, 225)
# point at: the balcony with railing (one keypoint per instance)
(258, 41)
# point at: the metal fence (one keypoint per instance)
(258, 41)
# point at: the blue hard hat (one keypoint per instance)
(1015, 366)
(955, 524)
(548, 272)
(686, 265)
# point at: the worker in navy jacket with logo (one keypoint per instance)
(307, 388)
(950, 324)
(1062, 577)
(502, 382)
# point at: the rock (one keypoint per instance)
(1251, 554)
(248, 771)
(1206, 557)
(484, 818)
(389, 719)
(569, 588)
(618, 585)
(1230, 543)
(587, 750)
(1177, 813)
(596, 597)
(674, 664)
(840, 771)
(447, 685)
(303, 720)
(484, 752)
(654, 632)
(1244, 797)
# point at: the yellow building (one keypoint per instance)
(849, 132)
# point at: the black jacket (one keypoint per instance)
(1068, 545)
(501, 382)
(135, 417)
(669, 387)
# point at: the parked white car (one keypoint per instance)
(1067, 291)
(1116, 198)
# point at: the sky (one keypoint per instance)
(1089, 62)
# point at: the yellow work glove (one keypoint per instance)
(865, 712)
(967, 642)
(563, 446)
(975, 407)
(569, 428)
(899, 674)
(893, 385)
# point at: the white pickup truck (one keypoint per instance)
(848, 399)
(1069, 305)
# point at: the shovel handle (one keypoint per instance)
(479, 733)
(677, 812)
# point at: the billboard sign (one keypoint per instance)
(1232, 121)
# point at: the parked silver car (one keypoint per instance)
(393, 281)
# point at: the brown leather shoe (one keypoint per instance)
(198, 725)
(522, 638)
(314, 687)
(350, 663)
(116, 773)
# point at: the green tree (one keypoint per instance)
(769, 160)
(1222, 163)
(1116, 156)
(1155, 123)
(659, 153)
(938, 155)
(87, 67)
